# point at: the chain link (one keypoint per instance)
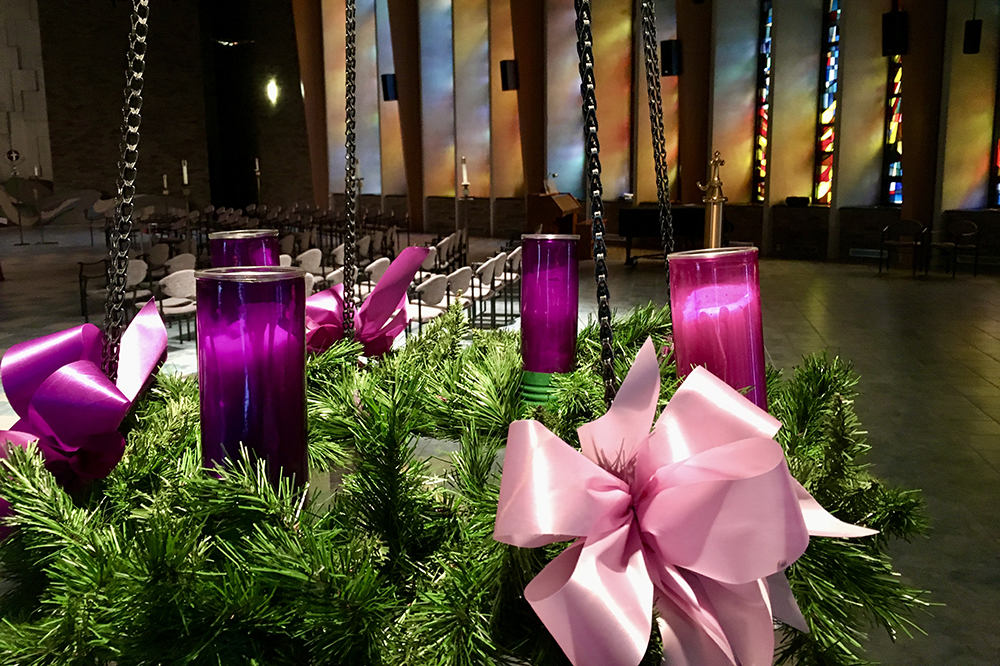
(120, 241)
(584, 48)
(656, 125)
(350, 177)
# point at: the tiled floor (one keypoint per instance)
(928, 351)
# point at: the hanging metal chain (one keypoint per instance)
(584, 48)
(120, 240)
(350, 177)
(649, 44)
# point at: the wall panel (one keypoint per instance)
(393, 175)
(437, 97)
(472, 92)
(564, 120)
(507, 168)
(645, 184)
(335, 61)
(612, 27)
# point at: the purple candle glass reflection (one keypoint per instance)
(715, 306)
(251, 367)
(248, 247)
(550, 301)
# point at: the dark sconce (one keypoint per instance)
(973, 35)
(895, 31)
(671, 59)
(389, 91)
(508, 75)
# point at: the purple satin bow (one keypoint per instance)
(699, 516)
(64, 401)
(378, 321)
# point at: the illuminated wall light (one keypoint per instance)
(827, 112)
(761, 129)
(302, 88)
(272, 91)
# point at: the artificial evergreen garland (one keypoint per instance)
(164, 564)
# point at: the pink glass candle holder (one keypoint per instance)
(550, 302)
(251, 367)
(715, 306)
(247, 247)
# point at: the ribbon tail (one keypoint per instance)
(383, 301)
(744, 612)
(783, 604)
(143, 345)
(596, 600)
(685, 642)
(379, 342)
(821, 522)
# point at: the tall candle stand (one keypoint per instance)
(713, 204)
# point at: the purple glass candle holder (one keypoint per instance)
(715, 307)
(247, 247)
(251, 367)
(550, 303)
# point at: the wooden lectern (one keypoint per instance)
(553, 213)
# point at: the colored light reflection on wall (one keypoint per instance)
(645, 186)
(367, 85)
(335, 65)
(825, 130)
(612, 27)
(391, 140)
(472, 92)
(505, 131)
(564, 119)
(763, 101)
(892, 188)
(437, 97)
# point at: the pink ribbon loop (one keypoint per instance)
(379, 320)
(701, 512)
(64, 401)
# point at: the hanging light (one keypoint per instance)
(272, 91)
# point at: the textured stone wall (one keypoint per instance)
(23, 118)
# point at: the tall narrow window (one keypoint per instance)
(892, 152)
(761, 127)
(827, 112)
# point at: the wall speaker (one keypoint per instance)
(973, 35)
(671, 58)
(508, 75)
(389, 92)
(797, 202)
(895, 33)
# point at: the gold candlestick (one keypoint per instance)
(714, 200)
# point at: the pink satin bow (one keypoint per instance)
(380, 318)
(64, 401)
(699, 516)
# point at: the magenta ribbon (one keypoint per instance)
(66, 404)
(699, 517)
(379, 320)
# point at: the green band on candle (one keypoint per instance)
(536, 387)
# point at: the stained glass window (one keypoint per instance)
(763, 102)
(827, 111)
(892, 155)
(993, 194)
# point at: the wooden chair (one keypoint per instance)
(960, 236)
(904, 234)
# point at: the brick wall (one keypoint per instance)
(23, 117)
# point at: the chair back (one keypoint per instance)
(158, 255)
(337, 255)
(311, 260)
(284, 260)
(514, 260)
(500, 264)
(486, 271)
(363, 245)
(431, 291)
(335, 277)
(310, 281)
(961, 232)
(287, 244)
(181, 262)
(429, 261)
(377, 269)
(899, 229)
(179, 285)
(460, 280)
(135, 273)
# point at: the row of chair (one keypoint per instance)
(959, 237)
